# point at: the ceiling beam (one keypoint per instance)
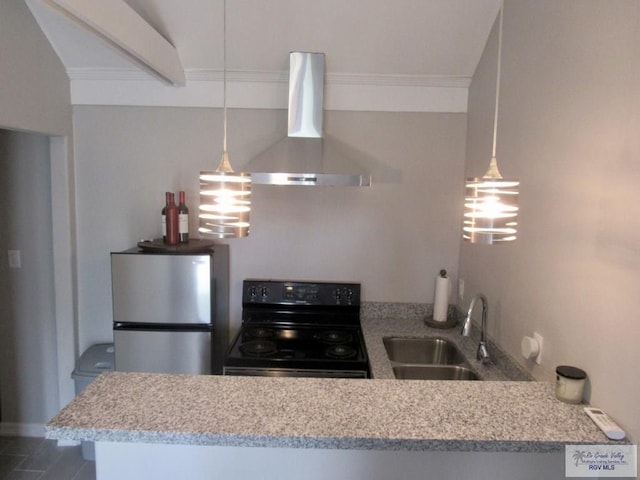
(117, 24)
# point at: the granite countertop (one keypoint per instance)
(498, 414)
(323, 413)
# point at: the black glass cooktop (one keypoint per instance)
(299, 325)
(280, 345)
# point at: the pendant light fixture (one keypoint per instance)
(225, 196)
(491, 202)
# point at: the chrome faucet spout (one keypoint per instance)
(483, 354)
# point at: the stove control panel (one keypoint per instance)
(282, 292)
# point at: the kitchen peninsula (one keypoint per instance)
(182, 426)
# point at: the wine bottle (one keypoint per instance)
(183, 220)
(172, 221)
(167, 196)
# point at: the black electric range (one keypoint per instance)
(299, 329)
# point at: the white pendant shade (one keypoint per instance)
(490, 210)
(225, 204)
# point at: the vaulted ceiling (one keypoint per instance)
(423, 40)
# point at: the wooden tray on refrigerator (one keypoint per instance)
(157, 245)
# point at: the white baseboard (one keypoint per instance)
(21, 429)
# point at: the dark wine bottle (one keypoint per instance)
(172, 221)
(167, 196)
(183, 220)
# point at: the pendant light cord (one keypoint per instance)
(225, 165)
(493, 171)
(495, 118)
(224, 76)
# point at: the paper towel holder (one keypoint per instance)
(451, 319)
(450, 322)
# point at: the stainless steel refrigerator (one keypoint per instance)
(170, 310)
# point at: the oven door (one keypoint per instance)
(293, 372)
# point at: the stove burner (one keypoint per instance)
(340, 351)
(260, 332)
(334, 336)
(258, 348)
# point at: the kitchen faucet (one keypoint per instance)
(483, 354)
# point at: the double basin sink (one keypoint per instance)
(428, 358)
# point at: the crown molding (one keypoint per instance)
(260, 89)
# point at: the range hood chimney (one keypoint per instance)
(304, 157)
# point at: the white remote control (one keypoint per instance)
(604, 422)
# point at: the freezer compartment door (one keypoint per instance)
(167, 289)
(163, 351)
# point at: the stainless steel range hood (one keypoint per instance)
(304, 157)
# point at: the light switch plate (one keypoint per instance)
(15, 260)
(460, 290)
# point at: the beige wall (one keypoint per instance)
(569, 111)
(393, 237)
(35, 88)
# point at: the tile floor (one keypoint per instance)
(27, 458)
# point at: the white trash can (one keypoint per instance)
(95, 360)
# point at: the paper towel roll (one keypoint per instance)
(441, 300)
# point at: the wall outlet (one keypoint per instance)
(540, 341)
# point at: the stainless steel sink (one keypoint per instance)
(427, 358)
(433, 372)
(427, 351)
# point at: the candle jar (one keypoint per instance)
(570, 384)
